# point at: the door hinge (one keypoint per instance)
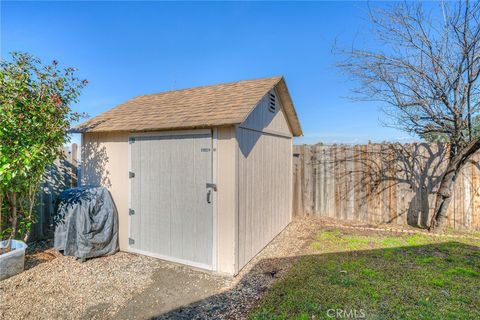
(131, 174)
(131, 241)
(131, 212)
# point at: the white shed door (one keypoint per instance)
(171, 204)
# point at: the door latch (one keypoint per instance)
(212, 185)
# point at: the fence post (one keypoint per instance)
(298, 181)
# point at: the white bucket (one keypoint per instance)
(12, 262)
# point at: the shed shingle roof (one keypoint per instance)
(200, 107)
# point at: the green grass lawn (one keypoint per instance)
(347, 274)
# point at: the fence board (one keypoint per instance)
(60, 176)
(382, 183)
(475, 192)
(349, 183)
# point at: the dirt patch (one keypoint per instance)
(172, 286)
(37, 258)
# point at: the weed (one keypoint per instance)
(425, 260)
(462, 271)
(369, 272)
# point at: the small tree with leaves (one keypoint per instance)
(35, 116)
(424, 68)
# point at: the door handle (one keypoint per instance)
(209, 196)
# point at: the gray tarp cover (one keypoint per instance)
(86, 223)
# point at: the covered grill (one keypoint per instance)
(86, 223)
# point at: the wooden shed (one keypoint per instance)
(200, 176)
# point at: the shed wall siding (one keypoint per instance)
(226, 199)
(264, 180)
(262, 119)
(105, 163)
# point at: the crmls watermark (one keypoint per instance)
(346, 313)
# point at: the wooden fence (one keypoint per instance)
(60, 176)
(382, 183)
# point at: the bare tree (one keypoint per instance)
(424, 68)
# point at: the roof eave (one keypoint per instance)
(289, 108)
(153, 129)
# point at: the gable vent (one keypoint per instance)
(271, 102)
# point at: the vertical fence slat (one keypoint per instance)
(309, 181)
(357, 196)
(475, 193)
(349, 183)
(320, 178)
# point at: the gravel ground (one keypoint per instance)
(134, 286)
(255, 278)
(65, 288)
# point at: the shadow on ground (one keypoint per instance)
(439, 280)
(39, 252)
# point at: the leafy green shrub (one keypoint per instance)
(35, 116)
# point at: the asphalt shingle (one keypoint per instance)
(200, 107)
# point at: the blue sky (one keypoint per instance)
(127, 49)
